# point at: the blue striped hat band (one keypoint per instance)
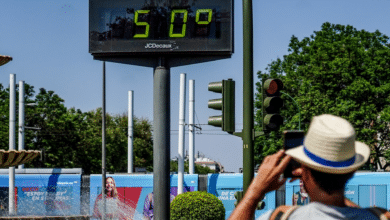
(328, 163)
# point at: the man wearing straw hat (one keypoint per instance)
(329, 157)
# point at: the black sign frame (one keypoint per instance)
(203, 49)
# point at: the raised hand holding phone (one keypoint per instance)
(292, 139)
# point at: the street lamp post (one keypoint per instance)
(21, 119)
(3, 60)
(11, 197)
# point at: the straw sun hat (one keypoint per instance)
(330, 146)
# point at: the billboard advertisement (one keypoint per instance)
(131, 196)
(43, 194)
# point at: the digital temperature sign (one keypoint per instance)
(160, 27)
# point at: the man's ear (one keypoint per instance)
(297, 172)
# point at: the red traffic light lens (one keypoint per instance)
(273, 87)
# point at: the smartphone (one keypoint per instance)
(292, 139)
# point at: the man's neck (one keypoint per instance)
(333, 199)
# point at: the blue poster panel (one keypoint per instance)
(366, 189)
(52, 200)
(372, 196)
(372, 188)
(351, 193)
(296, 195)
(224, 186)
(44, 194)
(4, 191)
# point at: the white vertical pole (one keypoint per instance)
(191, 125)
(130, 133)
(12, 112)
(21, 119)
(182, 107)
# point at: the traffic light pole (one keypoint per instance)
(248, 133)
(248, 127)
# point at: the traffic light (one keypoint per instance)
(226, 104)
(272, 103)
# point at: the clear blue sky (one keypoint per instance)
(48, 41)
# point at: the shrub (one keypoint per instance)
(197, 205)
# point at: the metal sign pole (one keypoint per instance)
(161, 140)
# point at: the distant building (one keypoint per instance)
(201, 160)
(207, 162)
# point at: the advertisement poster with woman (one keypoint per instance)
(130, 196)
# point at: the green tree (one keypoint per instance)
(4, 112)
(70, 138)
(143, 143)
(116, 142)
(4, 117)
(59, 131)
(198, 168)
(338, 70)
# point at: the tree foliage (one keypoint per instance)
(198, 168)
(70, 138)
(338, 70)
(4, 112)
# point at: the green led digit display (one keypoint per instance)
(160, 23)
(142, 26)
(146, 34)
(209, 15)
(184, 21)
